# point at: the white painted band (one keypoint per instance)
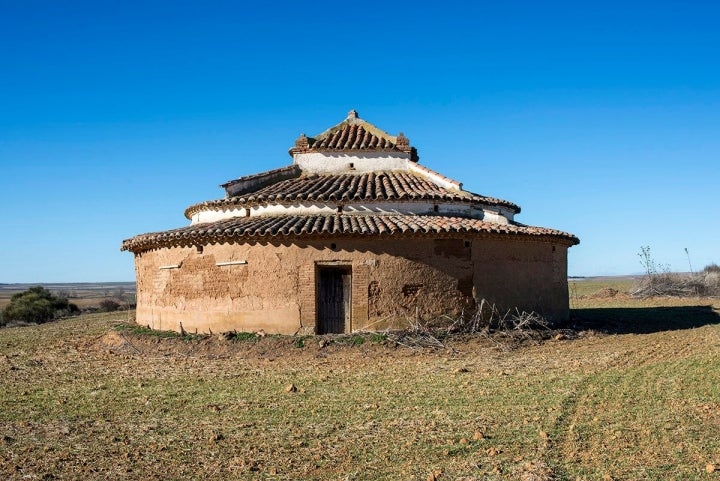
(231, 263)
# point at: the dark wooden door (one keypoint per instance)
(333, 300)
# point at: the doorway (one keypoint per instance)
(333, 299)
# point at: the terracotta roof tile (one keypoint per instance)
(246, 228)
(371, 186)
(351, 137)
(354, 134)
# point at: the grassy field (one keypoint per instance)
(589, 286)
(633, 394)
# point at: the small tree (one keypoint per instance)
(37, 304)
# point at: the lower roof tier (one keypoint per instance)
(326, 226)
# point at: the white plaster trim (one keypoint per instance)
(231, 263)
(477, 211)
(173, 266)
(435, 177)
(332, 163)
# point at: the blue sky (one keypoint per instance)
(598, 118)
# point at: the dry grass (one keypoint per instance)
(582, 288)
(635, 396)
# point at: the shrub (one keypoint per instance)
(659, 281)
(39, 305)
(712, 268)
(108, 305)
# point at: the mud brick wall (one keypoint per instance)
(392, 280)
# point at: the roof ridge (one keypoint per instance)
(253, 182)
(353, 134)
(353, 119)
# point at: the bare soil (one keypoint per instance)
(631, 392)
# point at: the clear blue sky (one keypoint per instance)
(598, 118)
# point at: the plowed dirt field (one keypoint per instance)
(633, 392)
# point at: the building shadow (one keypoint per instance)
(643, 320)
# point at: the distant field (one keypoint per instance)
(590, 285)
(84, 294)
(632, 394)
(90, 294)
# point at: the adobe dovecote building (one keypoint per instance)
(355, 234)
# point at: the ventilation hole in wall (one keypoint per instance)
(465, 286)
(333, 246)
(373, 289)
(199, 249)
(467, 243)
(247, 212)
(436, 208)
(410, 290)
(553, 248)
(351, 166)
(339, 209)
(374, 299)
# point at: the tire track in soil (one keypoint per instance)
(555, 450)
(561, 447)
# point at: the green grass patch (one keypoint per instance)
(244, 336)
(139, 330)
(377, 338)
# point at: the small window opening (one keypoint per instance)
(553, 248)
(467, 243)
(199, 249)
(247, 212)
(333, 246)
(436, 208)
(339, 209)
(351, 166)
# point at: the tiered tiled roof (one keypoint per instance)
(319, 226)
(369, 186)
(317, 176)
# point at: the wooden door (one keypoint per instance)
(333, 300)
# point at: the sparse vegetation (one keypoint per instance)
(712, 269)
(378, 338)
(634, 395)
(659, 281)
(37, 305)
(243, 336)
(138, 330)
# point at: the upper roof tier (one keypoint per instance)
(355, 164)
(354, 135)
